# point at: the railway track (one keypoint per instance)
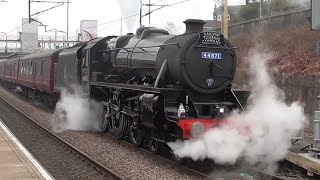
(105, 171)
(204, 171)
(200, 174)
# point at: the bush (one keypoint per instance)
(281, 5)
(248, 12)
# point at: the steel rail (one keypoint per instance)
(262, 175)
(100, 168)
(160, 157)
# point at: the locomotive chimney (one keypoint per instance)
(194, 25)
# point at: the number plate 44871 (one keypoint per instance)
(210, 55)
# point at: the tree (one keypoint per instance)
(250, 11)
(172, 28)
(281, 5)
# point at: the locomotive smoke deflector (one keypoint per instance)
(193, 25)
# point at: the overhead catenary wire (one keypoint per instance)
(137, 14)
(133, 15)
(55, 6)
(218, 2)
(37, 15)
(180, 2)
(119, 20)
(116, 21)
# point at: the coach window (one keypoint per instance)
(28, 68)
(41, 67)
(35, 68)
(44, 68)
(31, 69)
(25, 68)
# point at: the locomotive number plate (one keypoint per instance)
(210, 55)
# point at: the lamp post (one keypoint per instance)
(225, 19)
(5, 48)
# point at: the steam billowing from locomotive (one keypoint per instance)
(128, 8)
(73, 112)
(261, 134)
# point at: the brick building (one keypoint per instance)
(218, 15)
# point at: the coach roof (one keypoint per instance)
(50, 53)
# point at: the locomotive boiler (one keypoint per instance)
(161, 88)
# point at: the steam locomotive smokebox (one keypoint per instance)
(194, 25)
(206, 60)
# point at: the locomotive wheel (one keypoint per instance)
(137, 133)
(153, 144)
(118, 125)
(105, 125)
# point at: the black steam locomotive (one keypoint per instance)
(158, 87)
(155, 87)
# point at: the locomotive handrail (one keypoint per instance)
(134, 87)
(143, 47)
(161, 73)
(140, 52)
(214, 47)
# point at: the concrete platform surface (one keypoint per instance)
(16, 162)
(304, 160)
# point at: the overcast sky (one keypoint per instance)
(12, 12)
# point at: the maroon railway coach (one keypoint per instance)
(2, 63)
(37, 70)
(11, 68)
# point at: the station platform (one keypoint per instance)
(304, 160)
(16, 162)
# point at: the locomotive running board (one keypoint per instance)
(134, 87)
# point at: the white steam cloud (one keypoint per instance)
(259, 135)
(130, 9)
(73, 112)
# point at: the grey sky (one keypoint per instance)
(105, 11)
